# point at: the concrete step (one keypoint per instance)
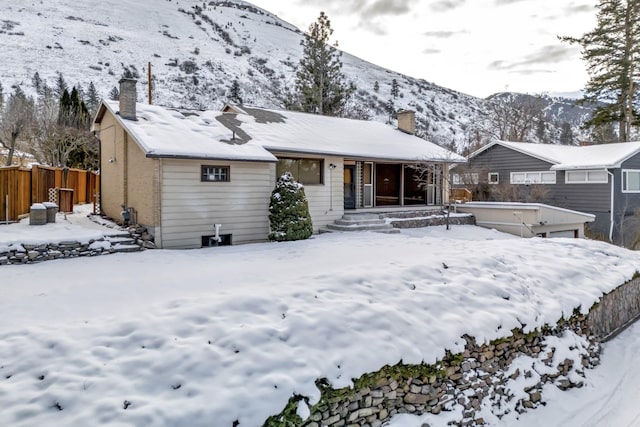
(126, 248)
(116, 234)
(386, 228)
(348, 222)
(411, 214)
(120, 240)
(360, 216)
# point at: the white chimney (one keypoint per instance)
(407, 121)
(128, 97)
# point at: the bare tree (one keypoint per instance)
(528, 193)
(473, 178)
(428, 174)
(513, 117)
(53, 144)
(62, 137)
(16, 120)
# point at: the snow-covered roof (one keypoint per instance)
(528, 207)
(563, 157)
(253, 134)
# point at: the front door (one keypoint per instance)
(388, 184)
(349, 187)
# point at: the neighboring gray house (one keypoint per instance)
(603, 180)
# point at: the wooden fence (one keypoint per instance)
(21, 187)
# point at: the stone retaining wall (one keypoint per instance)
(429, 221)
(615, 311)
(26, 253)
(482, 374)
(479, 374)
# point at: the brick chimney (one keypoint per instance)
(128, 97)
(407, 121)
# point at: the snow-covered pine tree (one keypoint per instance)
(114, 94)
(390, 109)
(320, 84)
(93, 99)
(36, 80)
(78, 87)
(234, 92)
(289, 216)
(612, 53)
(61, 85)
(395, 88)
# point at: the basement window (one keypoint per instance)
(208, 241)
(214, 173)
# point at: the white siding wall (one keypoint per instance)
(190, 208)
(320, 197)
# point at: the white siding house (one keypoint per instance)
(190, 206)
(183, 171)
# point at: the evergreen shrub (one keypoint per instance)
(289, 216)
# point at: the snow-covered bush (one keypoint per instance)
(289, 216)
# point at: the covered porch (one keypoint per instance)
(370, 185)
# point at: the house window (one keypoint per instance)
(631, 181)
(586, 177)
(214, 173)
(464, 179)
(305, 171)
(543, 177)
(210, 240)
(494, 177)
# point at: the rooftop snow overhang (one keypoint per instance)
(176, 156)
(364, 157)
(562, 167)
(527, 207)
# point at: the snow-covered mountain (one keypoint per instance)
(196, 50)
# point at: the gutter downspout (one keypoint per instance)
(612, 205)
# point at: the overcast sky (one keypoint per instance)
(477, 47)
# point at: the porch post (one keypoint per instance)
(401, 198)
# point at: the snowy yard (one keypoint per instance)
(191, 338)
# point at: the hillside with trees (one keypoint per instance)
(205, 54)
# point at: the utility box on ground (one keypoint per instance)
(37, 214)
(52, 210)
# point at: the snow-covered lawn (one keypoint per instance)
(75, 226)
(206, 337)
